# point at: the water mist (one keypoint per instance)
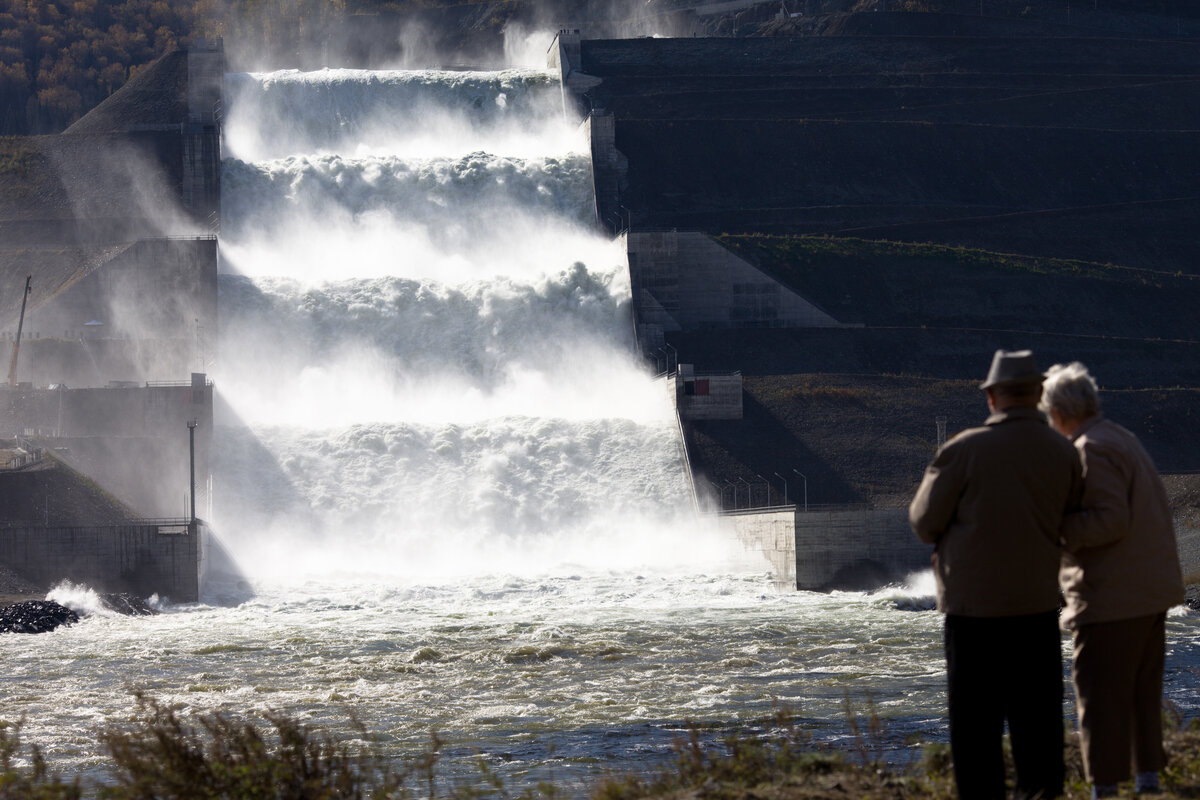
(442, 371)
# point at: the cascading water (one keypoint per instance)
(455, 493)
(428, 342)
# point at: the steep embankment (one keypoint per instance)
(855, 409)
(1075, 145)
(51, 493)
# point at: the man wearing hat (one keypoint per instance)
(991, 504)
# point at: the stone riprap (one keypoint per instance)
(35, 616)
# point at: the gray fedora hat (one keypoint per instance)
(1012, 368)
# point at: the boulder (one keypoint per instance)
(35, 616)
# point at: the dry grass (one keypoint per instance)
(218, 756)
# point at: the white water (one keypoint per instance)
(455, 493)
(429, 342)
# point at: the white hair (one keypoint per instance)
(1071, 391)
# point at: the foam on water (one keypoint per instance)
(420, 113)
(470, 216)
(443, 377)
(400, 349)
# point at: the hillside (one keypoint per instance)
(51, 493)
(855, 408)
(1071, 144)
(934, 286)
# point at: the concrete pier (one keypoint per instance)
(163, 557)
(833, 547)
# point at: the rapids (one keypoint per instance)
(456, 495)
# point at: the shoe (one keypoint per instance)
(1147, 783)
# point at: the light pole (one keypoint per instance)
(802, 475)
(720, 493)
(777, 475)
(192, 463)
(767, 484)
(749, 499)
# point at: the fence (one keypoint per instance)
(32, 455)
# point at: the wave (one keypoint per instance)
(420, 112)
(430, 347)
(491, 495)
(473, 196)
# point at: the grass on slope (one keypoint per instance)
(884, 283)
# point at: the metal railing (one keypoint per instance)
(175, 384)
(813, 508)
(182, 524)
(160, 521)
(24, 459)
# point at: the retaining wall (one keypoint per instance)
(132, 441)
(773, 533)
(201, 186)
(142, 559)
(826, 549)
(701, 395)
(684, 281)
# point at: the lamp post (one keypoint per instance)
(785, 497)
(192, 463)
(749, 499)
(720, 493)
(802, 475)
(767, 484)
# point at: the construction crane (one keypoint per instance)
(12, 367)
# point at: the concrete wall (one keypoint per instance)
(118, 410)
(132, 441)
(826, 549)
(772, 533)
(684, 281)
(609, 168)
(700, 395)
(201, 184)
(147, 313)
(564, 56)
(856, 548)
(142, 559)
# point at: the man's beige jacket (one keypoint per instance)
(992, 503)
(1121, 560)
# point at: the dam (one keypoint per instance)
(369, 207)
(758, 358)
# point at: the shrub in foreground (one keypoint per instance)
(166, 757)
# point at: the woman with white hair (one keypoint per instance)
(1120, 573)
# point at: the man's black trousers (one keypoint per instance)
(1005, 669)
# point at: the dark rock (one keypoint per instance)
(1193, 597)
(35, 616)
(911, 603)
(127, 604)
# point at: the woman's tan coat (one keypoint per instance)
(1120, 560)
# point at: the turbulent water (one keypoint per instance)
(456, 496)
